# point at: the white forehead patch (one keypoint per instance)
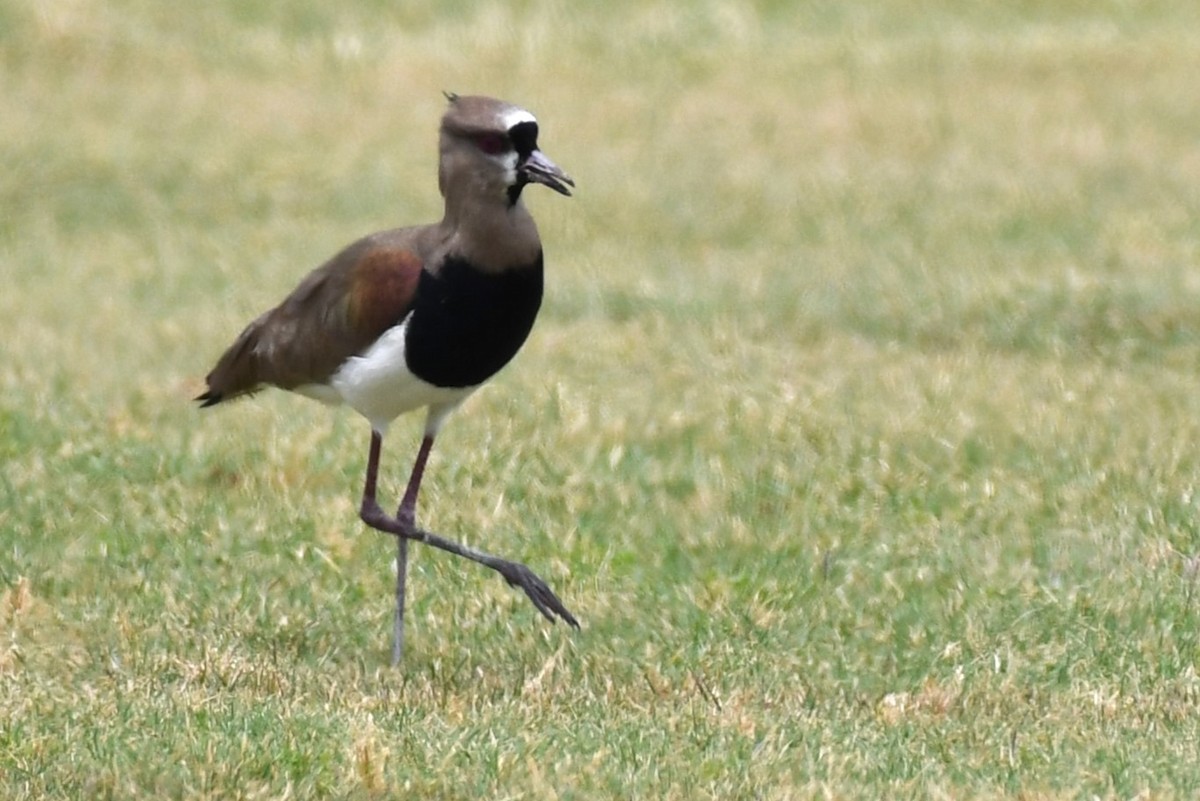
(515, 116)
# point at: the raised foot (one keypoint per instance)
(517, 575)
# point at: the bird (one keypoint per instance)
(418, 317)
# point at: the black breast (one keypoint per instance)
(467, 324)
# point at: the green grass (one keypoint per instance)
(861, 427)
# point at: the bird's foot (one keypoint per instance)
(515, 573)
(518, 575)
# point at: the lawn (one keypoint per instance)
(860, 428)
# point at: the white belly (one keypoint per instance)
(380, 387)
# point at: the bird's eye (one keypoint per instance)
(492, 144)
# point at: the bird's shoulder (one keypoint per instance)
(366, 288)
(336, 312)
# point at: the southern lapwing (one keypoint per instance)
(418, 317)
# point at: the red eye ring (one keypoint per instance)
(492, 144)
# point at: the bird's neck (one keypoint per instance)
(489, 233)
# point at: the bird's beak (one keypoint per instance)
(540, 170)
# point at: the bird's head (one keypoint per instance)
(491, 147)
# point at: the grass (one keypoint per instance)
(858, 428)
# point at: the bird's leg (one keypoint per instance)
(515, 573)
(403, 526)
(374, 516)
(406, 515)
